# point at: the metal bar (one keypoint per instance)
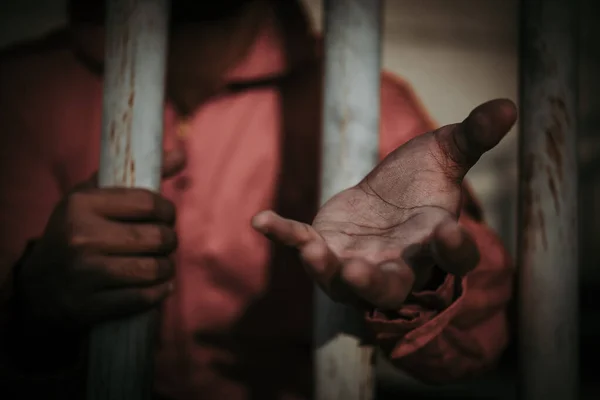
(344, 367)
(121, 352)
(548, 242)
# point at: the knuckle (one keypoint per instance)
(133, 234)
(127, 272)
(76, 219)
(79, 241)
(143, 270)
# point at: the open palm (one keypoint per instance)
(376, 242)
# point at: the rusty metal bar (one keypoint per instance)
(548, 234)
(121, 352)
(344, 369)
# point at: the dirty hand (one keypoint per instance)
(104, 254)
(374, 243)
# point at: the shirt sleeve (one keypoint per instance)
(458, 327)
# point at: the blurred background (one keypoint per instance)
(457, 54)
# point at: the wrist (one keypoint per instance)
(38, 342)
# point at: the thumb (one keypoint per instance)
(463, 144)
(173, 162)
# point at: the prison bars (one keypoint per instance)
(120, 364)
(548, 228)
(350, 148)
(121, 352)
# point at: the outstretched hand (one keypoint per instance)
(378, 241)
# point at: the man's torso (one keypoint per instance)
(239, 323)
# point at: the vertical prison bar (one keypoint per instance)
(548, 233)
(121, 352)
(344, 367)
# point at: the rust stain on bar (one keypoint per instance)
(120, 363)
(553, 190)
(548, 231)
(120, 137)
(533, 216)
(553, 148)
(542, 225)
(555, 141)
(131, 98)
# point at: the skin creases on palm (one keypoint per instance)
(390, 216)
(379, 240)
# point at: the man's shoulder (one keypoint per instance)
(403, 115)
(36, 65)
(399, 100)
(43, 92)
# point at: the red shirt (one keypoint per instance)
(239, 325)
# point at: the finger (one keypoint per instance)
(173, 162)
(287, 231)
(90, 183)
(115, 238)
(321, 264)
(103, 272)
(385, 286)
(118, 303)
(128, 204)
(463, 144)
(454, 250)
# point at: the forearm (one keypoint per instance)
(33, 349)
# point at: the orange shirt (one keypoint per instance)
(239, 325)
